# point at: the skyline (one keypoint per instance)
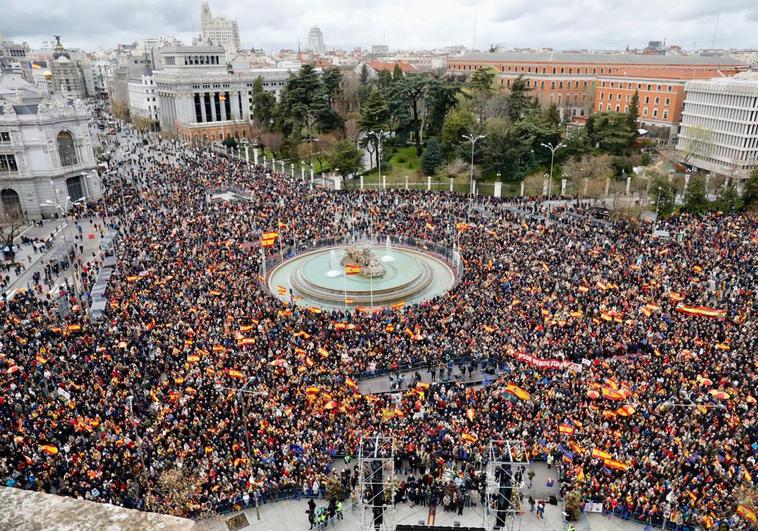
(580, 24)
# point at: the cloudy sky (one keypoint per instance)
(401, 24)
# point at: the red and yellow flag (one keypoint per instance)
(352, 269)
(234, 373)
(599, 454)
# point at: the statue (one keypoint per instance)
(371, 267)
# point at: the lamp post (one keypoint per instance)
(473, 139)
(552, 149)
(657, 204)
(63, 211)
(379, 135)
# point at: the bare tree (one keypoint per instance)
(696, 141)
(12, 219)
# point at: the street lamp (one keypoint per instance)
(473, 139)
(657, 204)
(63, 210)
(552, 149)
(379, 135)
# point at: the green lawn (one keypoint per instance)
(403, 162)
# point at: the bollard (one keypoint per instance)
(384, 182)
(428, 184)
(521, 193)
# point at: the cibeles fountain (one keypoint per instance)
(364, 274)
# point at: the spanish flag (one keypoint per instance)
(269, 235)
(73, 328)
(323, 352)
(281, 290)
(616, 465)
(565, 428)
(423, 386)
(267, 243)
(599, 454)
(580, 474)
(351, 383)
(49, 449)
(429, 226)
(352, 269)
(701, 311)
(193, 359)
(398, 305)
(236, 374)
(746, 512)
(469, 437)
(311, 391)
(517, 392)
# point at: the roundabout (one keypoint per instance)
(329, 278)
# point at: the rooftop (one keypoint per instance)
(625, 59)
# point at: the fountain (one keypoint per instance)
(388, 250)
(334, 267)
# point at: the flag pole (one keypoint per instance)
(344, 286)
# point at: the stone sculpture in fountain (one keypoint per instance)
(371, 267)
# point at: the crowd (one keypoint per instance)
(628, 359)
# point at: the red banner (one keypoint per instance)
(546, 363)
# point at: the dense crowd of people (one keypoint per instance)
(627, 358)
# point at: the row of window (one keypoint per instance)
(8, 163)
(631, 85)
(714, 124)
(726, 113)
(721, 100)
(533, 83)
(666, 101)
(645, 111)
(201, 59)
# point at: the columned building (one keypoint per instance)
(720, 125)
(45, 151)
(203, 100)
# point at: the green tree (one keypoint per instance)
(384, 82)
(264, 104)
(397, 73)
(663, 194)
(331, 80)
(729, 200)
(552, 115)
(431, 159)
(750, 191)
(347, 157)
(229, 142)
(458, 121)
(519, 101)
(483, 80)
(507, 148)
(364, 74)
(634, 111)
(440, 98)
(610, 131)
(409, 94)
(375, 115)
(695, 200)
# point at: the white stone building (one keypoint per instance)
(719, 131)
(45, 150)
(316, 41)
(143, 101)
(219, 30)
(202, 99)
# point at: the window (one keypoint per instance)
(647, 100)
(8, 163)
(66, 149)
(5, 137)
(655, 113)
(667, 101)
(657, 100)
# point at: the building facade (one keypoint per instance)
(203, 100)
(14, 57)
(45, 151)
(127, 67)
(219, 31)
(316, 41)
(720, 125)
(143, 101)
(68, 77)
(582, 83)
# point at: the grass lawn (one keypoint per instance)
(403, 162)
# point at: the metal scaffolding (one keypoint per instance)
(376, 483)
(506, 472)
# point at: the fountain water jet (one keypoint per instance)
(334, 268)
(387, 250)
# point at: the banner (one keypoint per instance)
(546, 363)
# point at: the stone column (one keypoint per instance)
(213, 96)
(302, 173)
(337, 182)
(686, 181)
(607, 186)
(707, 182)
(545, 185)
(247, 154)
(429, 184)
(384, 182)
(222, 105)
(282, 163)
(498, 189)
(521, 193)
(264, 162)
(628, 185)
(311, 175)
(563, 186)
(586, 183)
(202, 108)
(451, 184)
(255, 156)
(292, 170)
(406, 182)
(361, 182)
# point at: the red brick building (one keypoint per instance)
(582, 83)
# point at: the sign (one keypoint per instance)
(238, 521)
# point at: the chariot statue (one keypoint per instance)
(371, 267)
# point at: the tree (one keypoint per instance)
(397, 73)
(374, 116)
(440, 98)
(331, 80)
(663, 192)
(458, 121)
(750, 191)
(263, 104)
(729, 200)
(347, 157)
(364, 74)
(518, 100)
(483, 80)
(229, 142)
(410, 93)
(695, 141)
(432, 157)
(272, 140)
(552, 115)
(610, 131)
(634, 111)
(695, 200)
(12, 219)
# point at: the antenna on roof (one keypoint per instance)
(473, 40)
(715, 30)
